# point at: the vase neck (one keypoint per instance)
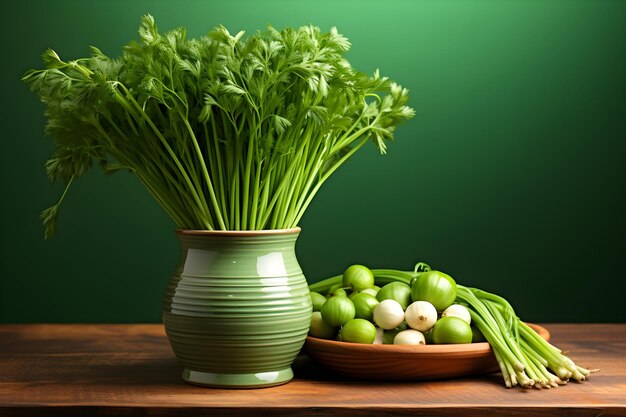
(218, 240)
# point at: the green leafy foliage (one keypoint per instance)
(225, 132)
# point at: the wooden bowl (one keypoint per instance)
(404, 362)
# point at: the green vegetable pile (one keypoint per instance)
(427, 306)
(225, 132)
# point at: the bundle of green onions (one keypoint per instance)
(225, 132)
(524, 357)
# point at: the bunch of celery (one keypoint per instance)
(225, 132)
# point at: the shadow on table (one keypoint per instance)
(147, 370)
(307, 369)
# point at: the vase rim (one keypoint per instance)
(244, 233)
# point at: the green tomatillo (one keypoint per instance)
(358, 331)
(437, 288)
(358, 277)
(451, 330)
(396, 291)
(317, 300)
(319, 328)
(364, 305)
(337, 311)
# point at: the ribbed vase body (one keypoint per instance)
(237, 309)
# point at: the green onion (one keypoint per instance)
(516, 345)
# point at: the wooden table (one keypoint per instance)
(128, 370)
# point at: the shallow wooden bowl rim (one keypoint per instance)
(468, 348)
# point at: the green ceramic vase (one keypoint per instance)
(237, 310)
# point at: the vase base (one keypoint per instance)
(256, 380)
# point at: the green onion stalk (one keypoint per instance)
(525, 358)
(225, 132)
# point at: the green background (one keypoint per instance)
(511, 177)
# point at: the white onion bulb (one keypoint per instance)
(409, 337)
(457, 310)
(421, 315)
(388, 314)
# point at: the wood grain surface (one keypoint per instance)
(128, 370)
